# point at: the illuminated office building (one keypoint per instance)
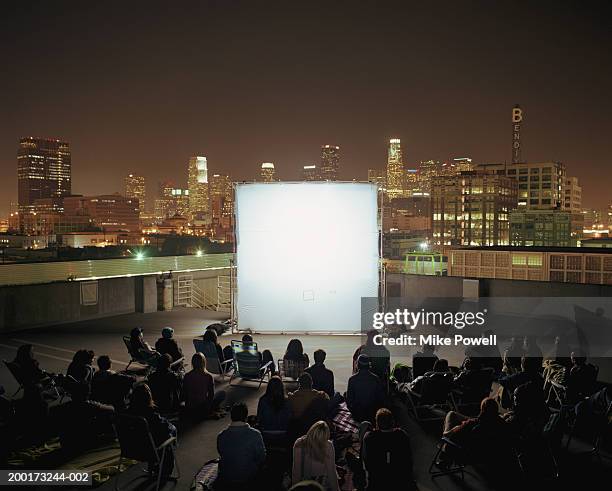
(330, 162)
(43, 170)
(197, 183)
(267, 172)
(572, 195)
(545, 228)
(311, 173)
(377, 176)
(135, 188)
(395, 169)
(472, 209)
(540, 184)
(111, 213)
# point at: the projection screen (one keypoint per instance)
(305, 254)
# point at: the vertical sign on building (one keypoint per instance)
(517, 119)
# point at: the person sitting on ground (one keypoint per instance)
(29, 368)
(165, 385)
(379, 356)
(365, 393)
(314, 458)
(140, 346)
(322, 377)
(273, 412)
(438, 379)
(582, 378)
(83, 422)
(81, 368)
(306, 405)
(530, 372)
(142, 405)
(512, 356)
(201, 399)
(168, 345)
(110, 387)
(386, 455)
(423, 361)
(241, 452)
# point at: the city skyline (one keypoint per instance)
(133, 95)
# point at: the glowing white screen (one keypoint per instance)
(306, 254)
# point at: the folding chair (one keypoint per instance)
(213, 364)
(290, 370)
(435, 397)
(48, 382)
(469, 397)
(136, 357)
(137, 443)
(248, 365)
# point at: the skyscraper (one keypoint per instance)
(377, 176)
(43, 170)
(197, 184)
(267, 172)
(310, 173)
(395, 169)
(135, 188)
(330, 161)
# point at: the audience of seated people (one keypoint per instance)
(386, 455)
(301, 416)
(110, 387)
(314, 458)
(242, 453)
(167, 345)
(201, 399)
(264, 356)
(165, 385)
(423, 361)
(365, 393)
(555, 367)
(307, 406)
(140, 346)
(322, 377)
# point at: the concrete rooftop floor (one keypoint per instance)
(54, 347)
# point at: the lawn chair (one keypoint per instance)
(137, 443)
(49, 386)
(290, 370)
(468, 397)
(213, 364)
(435, 398)
(136, 357)
(248, 365)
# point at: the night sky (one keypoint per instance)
(141, 86)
